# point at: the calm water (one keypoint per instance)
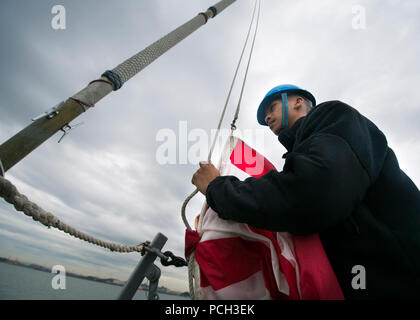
(20, 283)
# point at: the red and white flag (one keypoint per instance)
(240, 262)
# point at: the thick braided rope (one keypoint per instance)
(21, 203)
(94, 92)
(138, 62)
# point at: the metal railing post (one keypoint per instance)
(142, 268)
(153, 276)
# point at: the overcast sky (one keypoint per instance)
(104, 178)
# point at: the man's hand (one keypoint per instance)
(206, 174)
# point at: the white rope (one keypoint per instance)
(193, 268)
(194, 278)
(21, 203)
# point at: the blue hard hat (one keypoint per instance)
(276, 93)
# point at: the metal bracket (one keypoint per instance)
(157, 252)
(51, 113)
(67, 128)
(144, 268)
(153, 275)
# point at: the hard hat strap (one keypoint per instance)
(285, 110)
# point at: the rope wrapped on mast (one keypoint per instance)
(31, 137)
(130, 67)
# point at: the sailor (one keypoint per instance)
(341, 180)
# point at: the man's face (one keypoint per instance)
(274, 116)
(274, 112)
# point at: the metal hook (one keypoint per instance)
(67, 128)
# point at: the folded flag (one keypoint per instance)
(240, 262)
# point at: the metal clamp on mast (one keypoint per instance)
(51, 113)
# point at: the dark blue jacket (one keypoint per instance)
(341, 180)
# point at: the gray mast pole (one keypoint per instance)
(58, 118)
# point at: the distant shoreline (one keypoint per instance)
(111, 281)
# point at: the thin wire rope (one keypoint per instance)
(193, 268)
(231, 86)
(187, 200)
(233, 126)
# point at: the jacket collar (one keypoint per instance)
(287, 136)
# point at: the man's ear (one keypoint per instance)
(299, 102)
